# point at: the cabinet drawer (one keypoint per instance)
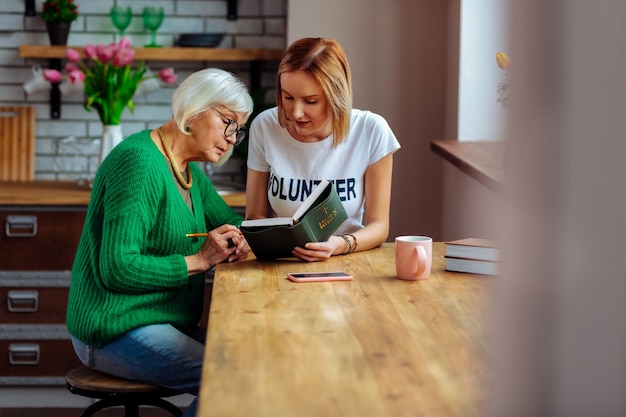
(30, 354)
(33, 305)
(36, 358)
(40, 238)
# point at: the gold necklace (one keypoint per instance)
(186, 185)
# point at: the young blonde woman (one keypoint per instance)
(314, 134)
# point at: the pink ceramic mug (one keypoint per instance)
(414, 257)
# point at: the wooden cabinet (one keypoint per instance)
(37, 247)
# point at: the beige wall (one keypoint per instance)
(470, 209)
(398, 55)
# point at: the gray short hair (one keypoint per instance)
(209, 88)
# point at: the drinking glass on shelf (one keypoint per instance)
(152, 20)
(121, 17)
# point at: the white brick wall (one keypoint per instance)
(67, 148)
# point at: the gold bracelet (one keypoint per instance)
(355, 243)
(345, 237)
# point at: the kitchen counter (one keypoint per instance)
(482, 160)
(68, 193)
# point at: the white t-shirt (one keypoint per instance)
(295, 168)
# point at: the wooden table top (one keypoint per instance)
(374, 346)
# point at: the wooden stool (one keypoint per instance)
(113, 391)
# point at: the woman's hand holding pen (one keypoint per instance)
(223, 243)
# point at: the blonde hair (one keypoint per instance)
(208, 88)
(325, 60)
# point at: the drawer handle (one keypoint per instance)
(21, 226)
(24, 354)
(23, 301)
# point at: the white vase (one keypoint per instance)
(111, 136)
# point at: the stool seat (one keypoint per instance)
(114, 391)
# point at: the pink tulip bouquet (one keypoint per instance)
(108, 77)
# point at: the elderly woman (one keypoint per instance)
(138, 280)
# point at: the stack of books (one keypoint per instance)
(472, 255)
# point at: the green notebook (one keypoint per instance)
(315, 221)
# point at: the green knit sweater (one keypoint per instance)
(129, 269)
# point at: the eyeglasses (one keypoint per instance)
(232, 127)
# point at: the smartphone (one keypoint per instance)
(319, 276)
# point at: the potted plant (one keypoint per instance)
(59, 15)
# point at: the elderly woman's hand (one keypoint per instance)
(238, 245)
(223, 243)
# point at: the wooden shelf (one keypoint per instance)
(55, 53)
(164, 54)
(481, 160)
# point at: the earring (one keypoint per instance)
(188, 129)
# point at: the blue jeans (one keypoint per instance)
(158, 354)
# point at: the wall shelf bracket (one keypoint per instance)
(231, 11)
(55, 93)
(29, 8)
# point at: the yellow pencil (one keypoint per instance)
(197, 234)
